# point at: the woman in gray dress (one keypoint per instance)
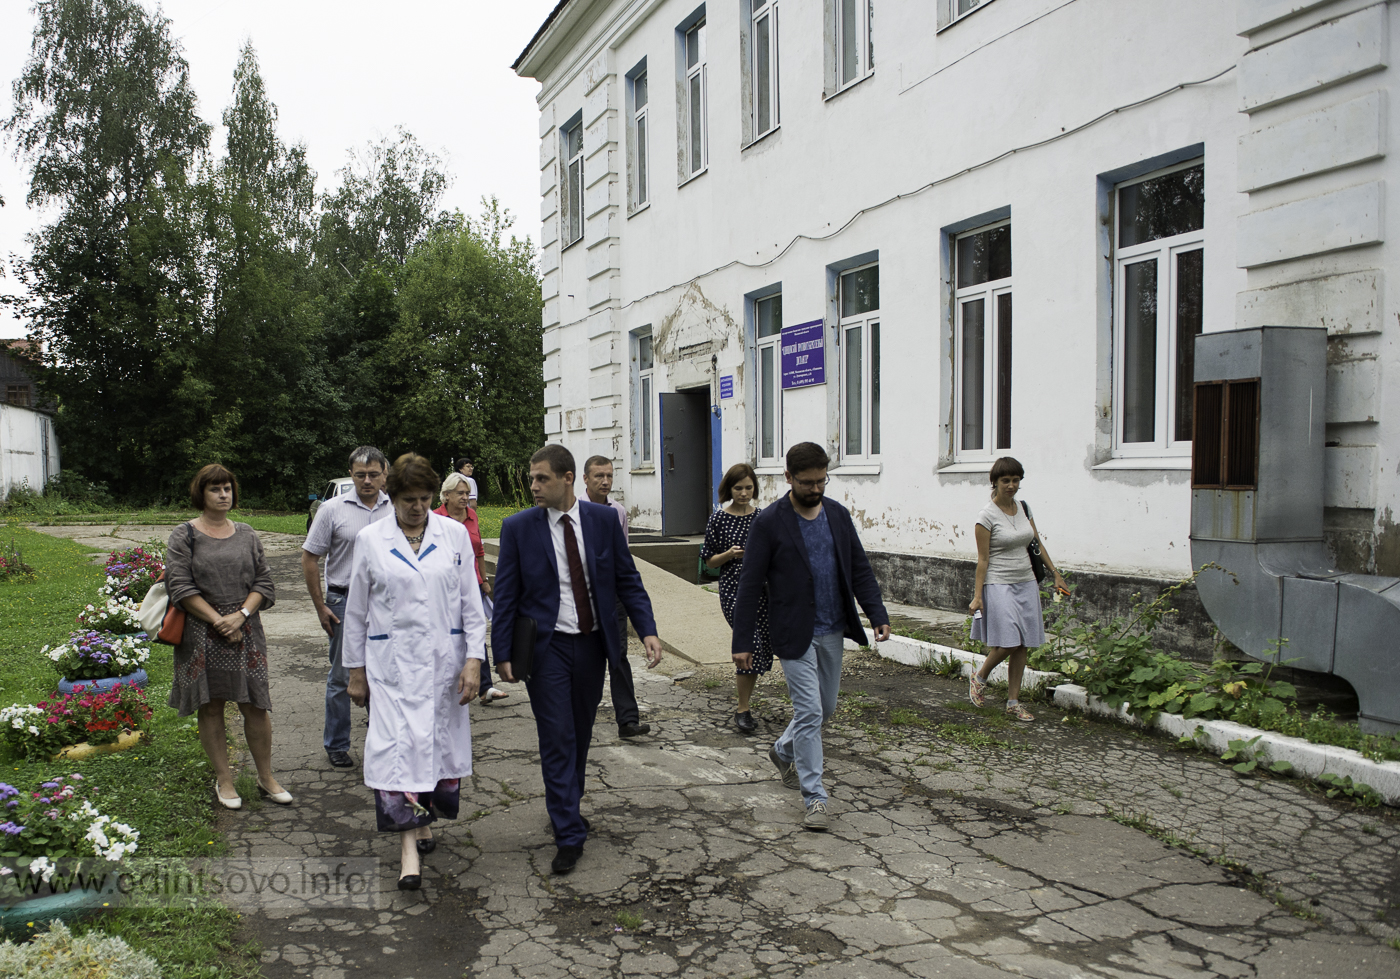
(216, 571)
(1006, 596)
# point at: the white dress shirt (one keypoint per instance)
(568, 610)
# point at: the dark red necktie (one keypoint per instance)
(576, 579)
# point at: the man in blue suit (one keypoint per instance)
(804, 550)
(565, 564)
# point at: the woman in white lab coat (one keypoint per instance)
(414, 633)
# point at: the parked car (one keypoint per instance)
(336, 487)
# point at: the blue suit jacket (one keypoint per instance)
(527, 579)
(775, 556)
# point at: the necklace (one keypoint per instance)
(418, 539)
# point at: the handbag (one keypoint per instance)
(162, 619)
(1033, 549)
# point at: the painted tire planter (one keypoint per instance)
(77, 752)
(33, 916)
(138, 679)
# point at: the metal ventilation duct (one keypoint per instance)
(1256, 510)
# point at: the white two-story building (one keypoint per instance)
(928, 233)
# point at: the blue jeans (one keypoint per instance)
(337, 734)
(813, 680)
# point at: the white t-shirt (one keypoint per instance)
(1007, 560)
(471, 484)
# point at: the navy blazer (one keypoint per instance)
(775, 556)
(527, 579)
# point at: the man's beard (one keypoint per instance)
(807, 499)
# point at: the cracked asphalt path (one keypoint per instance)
(961, 845)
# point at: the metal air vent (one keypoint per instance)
(1225, 449)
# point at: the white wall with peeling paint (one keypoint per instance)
(1023, 104)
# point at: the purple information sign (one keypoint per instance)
(726, 387)
(804, 355)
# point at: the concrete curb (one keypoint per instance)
(916, 652)
(1307, 759)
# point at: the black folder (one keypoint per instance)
(522, 651)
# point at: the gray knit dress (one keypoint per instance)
(224, 572)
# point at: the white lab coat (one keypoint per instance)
(412, 621)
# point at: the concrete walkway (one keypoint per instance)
(961, 845)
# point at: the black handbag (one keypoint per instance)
(1037, 562)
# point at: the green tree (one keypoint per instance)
(105, 115)
(465, 356)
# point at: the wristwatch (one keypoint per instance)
(246, 613)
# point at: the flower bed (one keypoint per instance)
(90, 655)
(132, 573)
(120, 615)
(57, 820)
(40, 731)
(12, 564)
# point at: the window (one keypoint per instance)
(573, 182)
(982, 341)
(1158, 288)
(643, 410)
(768, 328)
(695, 112)
(952, 10)
(763, 67)
(17, 394)
(640, 175)
(859, 299)
(854, 52)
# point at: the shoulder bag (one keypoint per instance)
(1037, 562)
(162, 619)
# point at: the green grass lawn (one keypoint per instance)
(160, 788)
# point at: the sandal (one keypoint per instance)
(494, 693)
(1019, 712)
(976, 688)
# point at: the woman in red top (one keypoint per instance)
(456, 490)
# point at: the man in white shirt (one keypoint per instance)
(597, 481)
(332, 535)
(562, 567)
(464, 466)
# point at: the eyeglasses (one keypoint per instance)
(810, 484)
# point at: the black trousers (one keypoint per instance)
(624, 692)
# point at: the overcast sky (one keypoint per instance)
(342, 73)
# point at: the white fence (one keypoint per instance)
(28, 448)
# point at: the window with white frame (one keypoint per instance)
(951, 10)
(573, 182)
(858, 297)
(696, 110)
(640, 175)
(763, 67)
(643, 407)
(982, 342)
(1159, 250)
(768, 328)
(851, 42)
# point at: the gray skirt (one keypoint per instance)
(1010, 616)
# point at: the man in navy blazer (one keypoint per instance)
(565, 564)
(804, 550)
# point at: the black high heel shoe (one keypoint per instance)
(410, 882)
(427, 846)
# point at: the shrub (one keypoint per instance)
(12, 564)
(89, 655)
(57, 954)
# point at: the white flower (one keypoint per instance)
(33, 730)
(41, 866)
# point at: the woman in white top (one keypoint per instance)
(415, 636)
(1006, 592)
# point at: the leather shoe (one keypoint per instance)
(410, 882)
(566, 859)
(427, 846)
(340, 759)
(744, 721)
(632, 730)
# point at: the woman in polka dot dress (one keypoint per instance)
(725, 537)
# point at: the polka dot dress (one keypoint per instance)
(724, 531)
